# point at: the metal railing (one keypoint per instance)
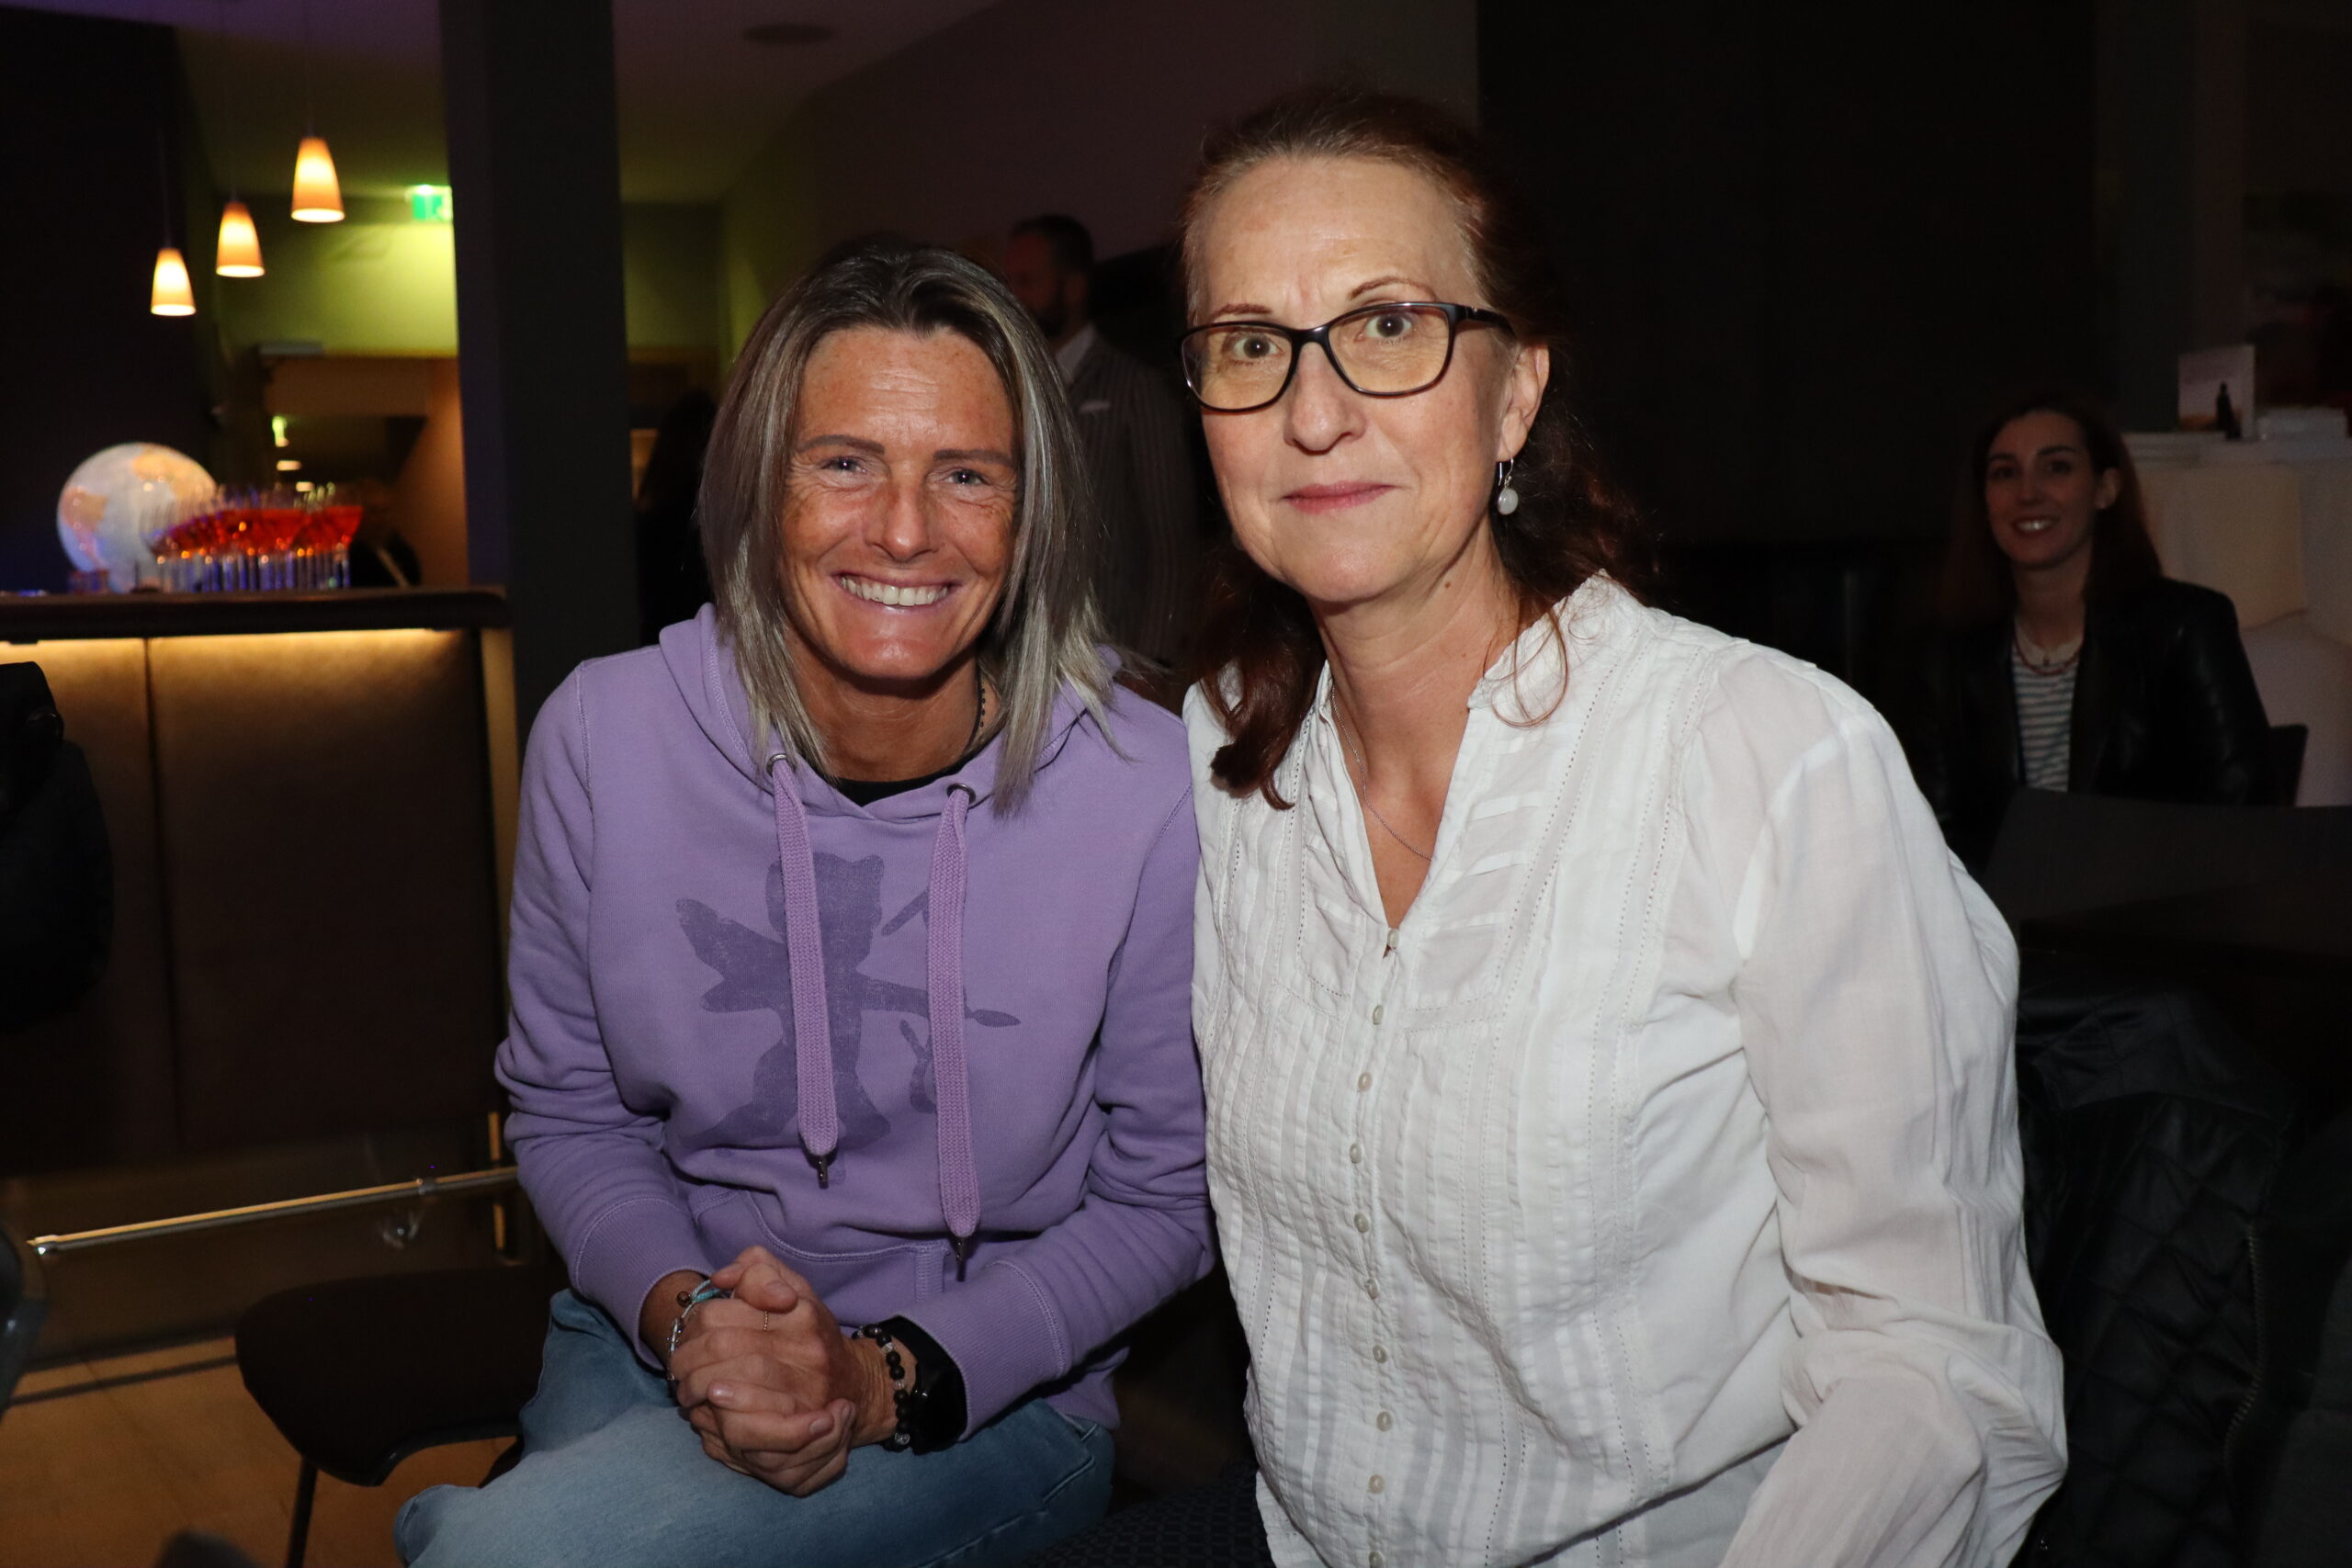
(493, 1181)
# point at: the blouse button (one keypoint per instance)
(1355, 1153)
(1380, 1354)
(1363, 1082)
(1375, 1012)
(1384, 1421)
(1375, 1561)
(1377, 1485)
(1363, 1224)
(1371, 1289)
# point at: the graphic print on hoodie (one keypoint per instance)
(755, 975)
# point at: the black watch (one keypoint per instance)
(931, 1413)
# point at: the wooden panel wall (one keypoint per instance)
(306, 898)
(1806, 245)
(326, 843)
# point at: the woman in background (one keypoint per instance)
(2068, 661)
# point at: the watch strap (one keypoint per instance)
(934, 1410)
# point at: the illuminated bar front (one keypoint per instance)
(303, 795)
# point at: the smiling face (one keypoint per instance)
(1346, 498)
(899, 506)
(2042, 494)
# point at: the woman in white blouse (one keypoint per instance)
(1612, 1124)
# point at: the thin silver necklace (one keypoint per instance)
(1361, 776)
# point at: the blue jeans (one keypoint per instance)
(613, 1477)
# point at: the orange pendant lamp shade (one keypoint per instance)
(172, 294)
(317, 198)
(240, 250)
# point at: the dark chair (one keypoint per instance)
(2287, 744)
(1212, 1526)
(1179, 1394)
(1184, 1495)
(358, 1374)
(2292, 1450)
(23, 1305)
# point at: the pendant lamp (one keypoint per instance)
(239, 255)
(317, 198)
(171, 296)
(171, 293)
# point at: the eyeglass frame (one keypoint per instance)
(1299, 337)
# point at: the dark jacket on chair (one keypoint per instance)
(2165, 709)
(56, 869)
(2153, 1138)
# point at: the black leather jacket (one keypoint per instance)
(2165, 709)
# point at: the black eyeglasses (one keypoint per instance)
(1382, 351)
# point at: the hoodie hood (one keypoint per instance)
(702, 662)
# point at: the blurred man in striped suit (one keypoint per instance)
(1131, 420)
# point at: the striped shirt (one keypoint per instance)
(2045, 714)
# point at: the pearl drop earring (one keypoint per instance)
(1505, 498)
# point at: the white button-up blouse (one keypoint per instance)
(1677, 1117)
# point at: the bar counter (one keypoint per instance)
(309, 799)
(33, 617)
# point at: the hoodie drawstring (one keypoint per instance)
(812, 1024)
(959, 1181)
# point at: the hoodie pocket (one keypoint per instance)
(859, 1284)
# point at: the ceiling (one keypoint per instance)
(698, 100)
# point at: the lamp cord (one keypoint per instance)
(310, 103)
(228, 96)
(163, 180)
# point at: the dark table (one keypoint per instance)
(2275, 957)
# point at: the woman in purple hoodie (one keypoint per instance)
(851, 1052)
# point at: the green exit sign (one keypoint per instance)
(429, 203)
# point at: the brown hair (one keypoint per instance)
(1258, 650)
(1977, 586)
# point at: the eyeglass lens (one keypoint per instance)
(1385, 350)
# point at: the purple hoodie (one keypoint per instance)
(1012, 1078)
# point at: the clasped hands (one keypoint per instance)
(766, 1377)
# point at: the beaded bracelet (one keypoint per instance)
(901, 1439)
(687, 1302)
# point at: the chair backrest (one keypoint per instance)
(2287, 744)
(2058, 854)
